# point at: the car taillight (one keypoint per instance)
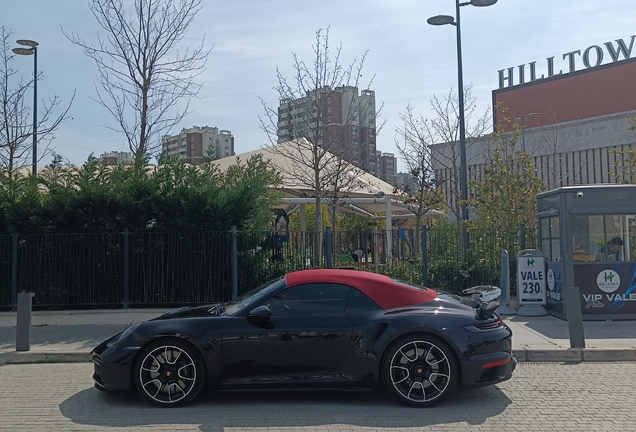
(496, 364)
(490, 325)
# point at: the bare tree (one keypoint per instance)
(552, 141)
(419, 133)
(321, 135)
(142, 74)
(413, 141)
(16, 125)
(624, 166)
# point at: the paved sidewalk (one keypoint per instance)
(70, 336)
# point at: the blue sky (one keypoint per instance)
(411, 60)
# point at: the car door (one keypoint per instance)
(306, 335)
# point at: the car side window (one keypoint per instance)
(310, 299)
(360, 302)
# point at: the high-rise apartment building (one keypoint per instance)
(116, 158)
(340, 120)
(406, 182)
(196, 143)
(387, 167)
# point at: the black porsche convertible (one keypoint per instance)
(318, 328)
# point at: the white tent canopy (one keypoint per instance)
(366, 194)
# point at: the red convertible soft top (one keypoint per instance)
(387, 293)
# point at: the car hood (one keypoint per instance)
(190, 312)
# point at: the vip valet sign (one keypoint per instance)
(591, 57)
(607, 288)
(531, 278)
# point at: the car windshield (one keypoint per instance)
(259, 293)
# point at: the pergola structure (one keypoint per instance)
(365, 194)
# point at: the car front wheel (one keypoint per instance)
(169, 373)
(419, 370)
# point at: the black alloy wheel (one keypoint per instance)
(169, 373)
(419, 370)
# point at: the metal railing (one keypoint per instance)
(72, 271)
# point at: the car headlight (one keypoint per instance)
(127, 332)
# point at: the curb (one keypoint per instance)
(575, 355)
(83, 317)
(25, 357)
(522, 355)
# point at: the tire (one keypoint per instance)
(169, 373)
(419, 370)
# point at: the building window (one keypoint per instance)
(550, 241)
(608, 237)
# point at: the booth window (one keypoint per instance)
(603, 238)
(550, 241)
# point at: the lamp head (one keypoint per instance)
(27, 42)
(23, 51)
(482, 3)
(441, 20)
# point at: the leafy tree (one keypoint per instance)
(351, 222)
(310, 211)
(174, 197)
(506, 197)
(142, 74)
(624, 166)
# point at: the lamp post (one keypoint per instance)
(33, 50)
(523, 128)
(443, 20)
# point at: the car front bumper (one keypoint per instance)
(112, 368)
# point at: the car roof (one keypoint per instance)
(383, 290)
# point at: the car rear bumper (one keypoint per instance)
(489, 369)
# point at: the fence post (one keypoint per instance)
(424, 257)
(328, 242)
(234, 262)
(14, 274)
(522, 230)
(126, 270)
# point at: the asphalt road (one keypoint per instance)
(539, 397)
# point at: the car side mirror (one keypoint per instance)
(262, 312)
(260, 316)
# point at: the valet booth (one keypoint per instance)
(576, 225)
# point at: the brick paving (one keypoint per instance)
(539, 397)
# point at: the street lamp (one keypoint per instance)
(523, 127)
(443, 20)
(32, 51)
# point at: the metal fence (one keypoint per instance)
(164, 269)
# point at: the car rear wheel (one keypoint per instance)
(419, 370)
(169, 373)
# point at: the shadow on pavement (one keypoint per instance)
(218, 411)
(555, 328)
